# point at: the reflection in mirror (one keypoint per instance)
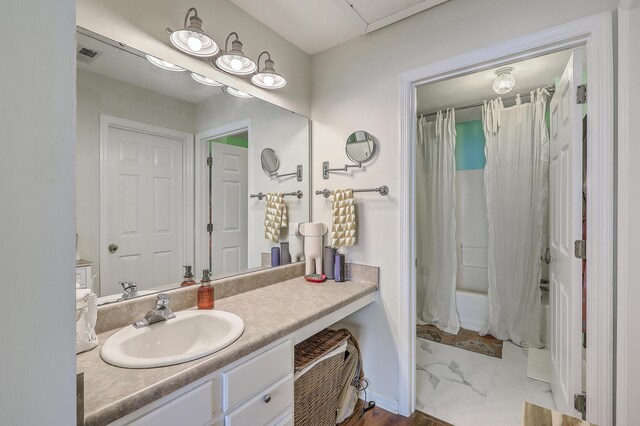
(270, 161)
(165, 167)
(360, 146)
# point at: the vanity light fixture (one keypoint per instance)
(237, 93)
(234, 61)
(191, 39)
(164, 64)
(205, 80)
(268, 78)
(505, 81)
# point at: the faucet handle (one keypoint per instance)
(162, 301)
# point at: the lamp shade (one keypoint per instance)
(205, 80)
(234, 61)
(192, 39)
(237, 93)
(164, 64)
(504, 81)
(268, 78)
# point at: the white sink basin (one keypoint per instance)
(190, 335)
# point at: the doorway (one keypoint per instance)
(222, 218)
(143, 174)
(485, 173)
(595, 34)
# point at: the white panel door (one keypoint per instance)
(229, 209)
(565, 214)
(143, 184)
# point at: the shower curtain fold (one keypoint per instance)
(436, 222)
(515, 174)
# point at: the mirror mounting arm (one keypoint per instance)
(326, 170)
(297, 174)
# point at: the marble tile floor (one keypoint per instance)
(469, 389)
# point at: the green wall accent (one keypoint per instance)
(470, 146)
(241, 140)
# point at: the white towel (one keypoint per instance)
(86, 317)
(275, 216)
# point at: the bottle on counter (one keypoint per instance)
(205, 292)
(188, 277)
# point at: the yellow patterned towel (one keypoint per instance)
(275, 216)
(343, 228)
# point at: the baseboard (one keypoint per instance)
(388, 404)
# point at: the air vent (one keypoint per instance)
(87, 55)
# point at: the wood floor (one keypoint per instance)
(379, 417)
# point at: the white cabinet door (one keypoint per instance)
(565, 214)
(144, 219)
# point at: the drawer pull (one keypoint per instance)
(267, 398)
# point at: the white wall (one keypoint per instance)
(37, 193)
(141, 24)
(356, 86)
(288, 135)
(97, 94)
(628, 297)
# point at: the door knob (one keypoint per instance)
(112, 248)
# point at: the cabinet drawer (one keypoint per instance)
(287, 420)
(194, 408)
(256, 374)
(265, 406)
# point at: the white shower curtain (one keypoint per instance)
(515, 175)
(436, 222)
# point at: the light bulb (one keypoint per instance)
(194, 42)
(268, 80)
(236, 64)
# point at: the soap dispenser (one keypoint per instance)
(188, 277)
(205, 292)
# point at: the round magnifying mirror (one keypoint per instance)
(270, 161)
(360, 146)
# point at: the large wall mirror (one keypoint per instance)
(166, 167)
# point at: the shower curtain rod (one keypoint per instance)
(551, 88)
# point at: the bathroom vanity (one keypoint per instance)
(248, 382)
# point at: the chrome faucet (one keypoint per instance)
(162, 312)
(130, 290)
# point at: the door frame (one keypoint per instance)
(108, 121)
(218, 132)
(596, 34)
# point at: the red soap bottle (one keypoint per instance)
(205, 292)
(188, 277)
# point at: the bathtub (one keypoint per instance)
(473, 309)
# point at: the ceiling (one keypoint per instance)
(130, 66)
(476, 87)
(316, 25)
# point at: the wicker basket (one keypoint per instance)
(317, 389)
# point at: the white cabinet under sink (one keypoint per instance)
(255, 390)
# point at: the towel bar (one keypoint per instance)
(298, 194)
(383, 190)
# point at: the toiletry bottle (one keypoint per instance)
(188, 277)
(205, 292)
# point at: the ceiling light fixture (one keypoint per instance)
(191, 39)
(164, 64)
(234, 61)
(205, 80)
(268, 78)
(237, 93)
(505, 81)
